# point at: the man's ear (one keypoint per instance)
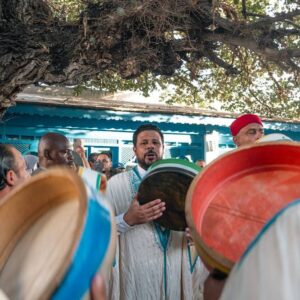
(11, 177)
(235, 140)
(47, 154)
(134, 150)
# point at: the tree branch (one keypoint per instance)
(267, 21)
(279, 57)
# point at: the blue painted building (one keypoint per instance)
(109, 125)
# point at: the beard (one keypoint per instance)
(148, 159)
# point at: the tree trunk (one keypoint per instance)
(126, 37)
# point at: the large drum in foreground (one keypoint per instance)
(169, 180)
(229, 202)
(55, 234)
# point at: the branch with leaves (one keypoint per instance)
(72, 42)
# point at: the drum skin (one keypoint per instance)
(55, 234)
(169, 181)
(235, 195)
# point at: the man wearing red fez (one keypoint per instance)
(246, 129)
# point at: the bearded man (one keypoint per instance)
(152, 262)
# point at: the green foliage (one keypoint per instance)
(259, 87)
(69, 10)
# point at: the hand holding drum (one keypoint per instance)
(140, 214)
(168, 180)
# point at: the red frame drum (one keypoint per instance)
(233, 197)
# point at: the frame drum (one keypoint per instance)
(169, 180)
(55, 234)
(235, 195)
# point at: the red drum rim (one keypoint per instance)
(229, 169)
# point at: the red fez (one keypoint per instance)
(243, 121)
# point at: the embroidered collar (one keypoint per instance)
(142, 172)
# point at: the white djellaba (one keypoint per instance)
(270, 268)
(151, 262)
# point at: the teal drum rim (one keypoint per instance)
(175, 162)
(91, 251)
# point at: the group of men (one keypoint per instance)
(151, 262)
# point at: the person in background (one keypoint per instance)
(106, 159)
(92, 158)
(55, 150)
(246, 129)
(79, 154)
(31, 162)
(120, 167)
(200, 163)
(13, 170)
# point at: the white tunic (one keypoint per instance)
(151, 262)
(270, 268)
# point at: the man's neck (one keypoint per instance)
(4, 192)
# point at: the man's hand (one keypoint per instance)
(98, 288)
(80, 151)
(213, 287)
(140, 214)
(189, 237)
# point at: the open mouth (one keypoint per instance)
(150, 155)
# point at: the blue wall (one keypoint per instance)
(24, 124)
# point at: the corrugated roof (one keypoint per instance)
(101, 109)
(81, 113)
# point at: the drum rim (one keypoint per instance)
(174, 170)
(169, 165)
(13, 197)
(173, 161)
(100, 249)
(265, 138)
(211, 256)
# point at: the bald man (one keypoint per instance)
(246, 129)
(13, 169)
(55, 150)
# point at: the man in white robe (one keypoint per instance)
(151, 262)
(270, 268)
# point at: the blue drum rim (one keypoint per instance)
(90, 254)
